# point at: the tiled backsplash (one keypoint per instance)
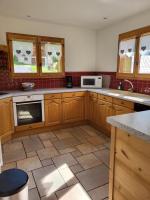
(139, 85)
(7, 83)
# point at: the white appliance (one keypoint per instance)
(91, 81)
(28, 109)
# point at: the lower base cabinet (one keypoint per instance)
(53, 110)
(72, 109)
(129, 177)
(6, 118)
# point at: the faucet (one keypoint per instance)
(131, 89)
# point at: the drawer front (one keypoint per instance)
(53, 96)
(124, 103)
(73, 94)
(106, 98)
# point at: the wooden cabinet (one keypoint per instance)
(93, 107)
(6, 118)
(129, 177)
(53, 110)
(73, 109)
(119, 110)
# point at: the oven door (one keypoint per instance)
(28, 112)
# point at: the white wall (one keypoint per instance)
(80, 43)
(107, 41)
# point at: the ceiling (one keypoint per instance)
(85, 13)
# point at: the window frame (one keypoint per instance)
(129, 35)
(37, 39)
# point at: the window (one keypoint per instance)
(134, 54)
(127, 56)
(144, 54)
(35, 56)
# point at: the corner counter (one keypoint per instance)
(130, 156)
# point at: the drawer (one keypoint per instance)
(53, 96)
(106, 98)
(93, 94)
(124, 103)
(73, 94)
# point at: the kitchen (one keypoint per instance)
(74, 113)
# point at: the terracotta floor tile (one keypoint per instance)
(97, 140)
(76, 168)
(47, 143)
(31, 183)
(76, 153)
(94, 177)
(86, 148)
(31, 154)
(9, 166)
(103, 155)
(66, 143)
(75, 192)
(80, 134)
(99, 193)
(13, 152)
(29, 164)
(48, 180)
(67, 150)
(33, 194)
(46, 135)
(88, 161)
(68, 175)
(53, 163)
(32, 144)
(63, 134)
(63, 160)
(47, 162)
(47, 153)
(52, 197)
(90, 130)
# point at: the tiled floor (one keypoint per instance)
(67, 164)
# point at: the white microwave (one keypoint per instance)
(91, 81)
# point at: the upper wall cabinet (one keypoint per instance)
(35, 56)
(134, 54)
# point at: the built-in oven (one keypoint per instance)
(28, 109)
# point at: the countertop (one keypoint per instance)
(125, 95)
(137, 123)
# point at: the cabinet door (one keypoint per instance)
(92, 109)
(6, 116)
(108, 112)
(119, 110)
(52, 112)
(73, 109)
(100, 113)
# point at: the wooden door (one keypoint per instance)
(92, 109)
(73, 109)
(100, 113)
(53, 112)
(107, 113)
(6, 117)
